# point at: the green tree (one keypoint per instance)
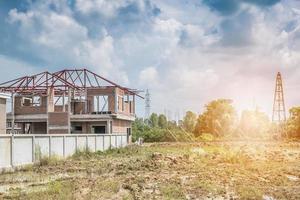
(172, 124)
(162, 121)
(153, 120)
(189, 121)
(293, 123)
(138, 129)
(218, 118)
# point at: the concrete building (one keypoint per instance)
(69, 101)
(3, 100)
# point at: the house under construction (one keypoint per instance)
(69, 101)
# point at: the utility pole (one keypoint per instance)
(147, 104)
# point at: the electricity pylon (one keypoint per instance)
(279, 114)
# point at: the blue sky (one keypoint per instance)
(186, 52)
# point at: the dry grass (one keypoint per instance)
(231, 170)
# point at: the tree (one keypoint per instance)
(153, 120)
(162, 121)
(138, 128)
(172, 124)
(217, 119)
(293, 123)
(189, 121)
(254, 123)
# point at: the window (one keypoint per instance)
(99, 129)
(8, 124)
(101, 103)
(36, 101)
(128, 131)
(26, 101)
(78, 128)
(31, 101)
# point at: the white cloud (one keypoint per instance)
(60, 40)
(186, 63)
(149, 78)
(106, 7)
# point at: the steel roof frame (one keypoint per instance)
(61, 81)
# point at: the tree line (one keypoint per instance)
(218, 120)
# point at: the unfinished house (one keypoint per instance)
(69, 101)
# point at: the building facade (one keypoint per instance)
(69, 101)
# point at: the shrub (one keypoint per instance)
(206, 137)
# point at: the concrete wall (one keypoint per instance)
(87, 126)
(59, 108)
(26, 149)
(2, 115)
(29, 110)
(120, 126)
(39, 128)
(58, 122)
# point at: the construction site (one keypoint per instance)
(68, 101)
(87, 120)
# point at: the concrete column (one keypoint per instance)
(63, 102)
(110, 125)
(50, 104)
(13, 113)
(133, 105)
(116, 100)
(107, 127)
(23, 128)
(50, 100)
(2, 115)
(69, 109)
(86, 107)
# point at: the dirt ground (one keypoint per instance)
(215, 170)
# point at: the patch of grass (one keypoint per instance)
(45, 161)
(207, 187)
(83, 154)
(233, 156)
(56, 190)
(110, 185)
(59, 190)
(206, 137)
(105, 188)
(128, 197)
(249, 192)
(125, 151)
(172, 192)
(14, 193)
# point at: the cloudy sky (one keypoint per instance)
(187, 52)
